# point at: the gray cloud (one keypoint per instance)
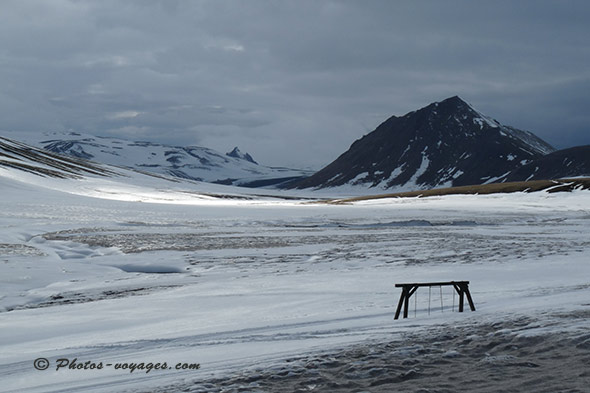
(293, 83)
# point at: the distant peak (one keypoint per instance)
(456, 103)
(449, 105)
(236, 153)
(455, 100)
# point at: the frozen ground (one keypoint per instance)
(468, 356)
(283, 295)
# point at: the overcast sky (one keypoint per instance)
(293, 83)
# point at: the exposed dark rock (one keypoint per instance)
(571, 162)
(447, 143)
(236, 153)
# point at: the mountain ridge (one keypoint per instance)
(236, 153)
(444, 144)
(570, 162)
(185, 162)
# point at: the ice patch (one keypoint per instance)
(395, 173)
(451, 354)
(405, 151)
(157, 269)
(334, 178)
(494, 179)
(423, 167)
(358, 178)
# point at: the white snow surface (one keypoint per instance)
(143, 270)
(190, 162)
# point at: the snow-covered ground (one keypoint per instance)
(186, 162)
(111, 271)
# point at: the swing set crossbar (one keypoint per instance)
(431, 284)
(408, 289)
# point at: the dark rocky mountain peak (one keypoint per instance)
(236, 153)
(447, 143)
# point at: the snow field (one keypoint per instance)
(238, 284)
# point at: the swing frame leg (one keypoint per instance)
(404, 300)
(463, 291)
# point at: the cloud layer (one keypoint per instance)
(293, 83)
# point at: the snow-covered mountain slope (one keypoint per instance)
(44, 170)
(17, 155)
(572, 162)
(445, 144)
(187, 162)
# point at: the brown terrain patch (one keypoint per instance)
(562, 185)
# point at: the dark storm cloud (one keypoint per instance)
(293, 83)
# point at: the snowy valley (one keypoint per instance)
(281, 291)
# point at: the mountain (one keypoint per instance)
(236, 153)
(572, 162)
(38, 172)
(186, 162)
(19, 156)
(444, 144)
